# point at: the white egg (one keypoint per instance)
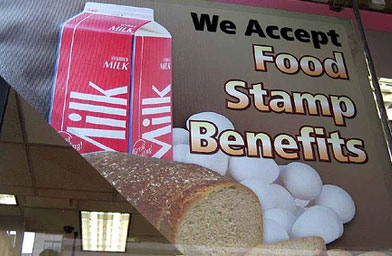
(220, 121)
(217, 162)
(273, 232)
(330, 212)
(271, 195)
(179, 152)
(318, 221)
(180, 136)
(244, 168)
(298, 211)
(301, 203)
(281, 168)
(338, 200)
(302, 181)
(282, 216)
(279, 179)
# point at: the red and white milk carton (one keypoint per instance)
(112, 83)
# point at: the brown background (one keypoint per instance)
(203, 62)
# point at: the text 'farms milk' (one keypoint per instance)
(112, 85)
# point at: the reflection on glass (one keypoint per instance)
(104, 231)
(7, 199)
(386, 90)
(28, 243)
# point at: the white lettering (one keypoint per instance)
(87, 133)
(152, 135)
(106, 97)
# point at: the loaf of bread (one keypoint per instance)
(309, 246)
(338, 252)
(373, 254)
(196, 209)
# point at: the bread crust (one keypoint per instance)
(338, 252)
(162, 191)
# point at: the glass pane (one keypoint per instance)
(280, 88)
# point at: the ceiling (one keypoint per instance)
(53, 182)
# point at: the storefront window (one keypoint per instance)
(214, 128)
(386, 88)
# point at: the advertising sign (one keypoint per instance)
(277, 101)
(295, 89)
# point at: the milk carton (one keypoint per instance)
(112, 83)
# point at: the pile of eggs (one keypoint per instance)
(294, 201)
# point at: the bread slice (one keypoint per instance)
(309, 246)
(196, 209)
(338, 252)
(373, 254)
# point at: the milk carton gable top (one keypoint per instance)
(153, 29)
(120, 10)
(150, 28)
(103, 23)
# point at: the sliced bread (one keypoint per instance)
(338, 252)
(373, 254)
(196, 209)
(309, 246)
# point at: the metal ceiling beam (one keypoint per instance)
(4, 91)
(373, 74)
